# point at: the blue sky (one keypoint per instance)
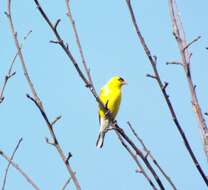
(111, 48)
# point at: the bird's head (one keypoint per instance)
(117, 81)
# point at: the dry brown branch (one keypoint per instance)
(71, 19)
(141, 169)
(165, 95)
(16, 166)
(148, 153)
(185, 59)
(10, 73)
(173, 63)
(36, 99)
(67, 183)
(138, 153)
(56, 144)
(66, 49)
(55, 120)
(7, 168)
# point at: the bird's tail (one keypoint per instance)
(104, 123)
(100, 140)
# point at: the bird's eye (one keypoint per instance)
(121, 79)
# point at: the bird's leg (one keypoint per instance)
(112, 126)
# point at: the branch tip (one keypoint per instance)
(165, 85)
(173, 63)
(56, 24)
(151, 76)
(54, 42)
(49, 141)
(193, 41)
(55, 120)
(68, 157)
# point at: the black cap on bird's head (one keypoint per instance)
(123, 82)
(117, 81)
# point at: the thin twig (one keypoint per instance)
(16, 166)
(141, 169)
(173, 63)
(185, 59)
(10, 73)
(36, 99)
(17, 44)
(193, 41)
(71, 19)
(151, 156)
(139, 153)
(67, 183)
(163, 90)
(7, 168)
(55, 120)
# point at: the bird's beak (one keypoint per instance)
(124, 82)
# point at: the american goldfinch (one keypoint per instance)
(110, 95)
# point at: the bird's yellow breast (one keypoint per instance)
(111, 98)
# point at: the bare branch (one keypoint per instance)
(68, 157)
(10, 74)
(35, 97)
(55, 120)
(165, 86)
(139, 153)
(7, 169)
(140, 167)
(163, 90)
(185, 59)
(26, 176)
(56, 24)
(71, 19)
(193, 41)
(148, 153)
(18, 47)
(54, 42)
(67, 182)
(151, 76)
(173, 63)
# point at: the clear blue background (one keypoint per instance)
(111, 48)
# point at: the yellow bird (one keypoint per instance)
(110, 95)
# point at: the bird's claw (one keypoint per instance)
(107, 113)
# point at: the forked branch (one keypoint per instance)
(148, 153)
(17, 167)
(35, 97)
(165, 95)
(183, 46)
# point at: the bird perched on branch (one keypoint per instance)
(110, 95)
